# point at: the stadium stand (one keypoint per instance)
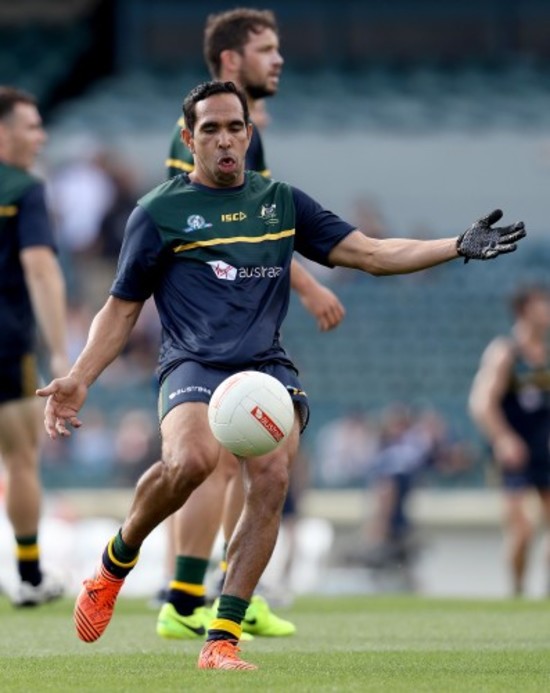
(37, 58)
(415, 99)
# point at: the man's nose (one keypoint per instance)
(224, 139)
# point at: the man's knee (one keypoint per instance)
(187, 468)
(268, 483)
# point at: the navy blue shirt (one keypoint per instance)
(526, 406)
(217, 262)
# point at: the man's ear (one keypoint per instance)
(187, 139)
(230, 62)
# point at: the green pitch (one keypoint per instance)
(386, 644)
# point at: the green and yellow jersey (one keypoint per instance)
(24, 222)
(217, 262)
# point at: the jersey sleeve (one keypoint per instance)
(317, 229)
(179, 157)
(33, 224)
(139, 260)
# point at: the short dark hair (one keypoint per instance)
(524, 294)
(10, 97)
(205, 90)
(231, 30)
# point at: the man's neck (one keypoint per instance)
(230, 78)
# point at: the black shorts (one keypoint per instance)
(18, 377)
(195, 382)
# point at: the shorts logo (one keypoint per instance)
(189, 389)
(268, 214)
(195, 222)
(223, 271)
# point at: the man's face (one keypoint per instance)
(260, 64)
(22, 136)
(219, 141)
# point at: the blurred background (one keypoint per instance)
(408, 118)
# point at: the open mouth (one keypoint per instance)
(227, 163)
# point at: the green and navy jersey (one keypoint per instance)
(24, 223)
(217, 262)
(180, 158)
(526, 405)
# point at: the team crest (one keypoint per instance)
(268, 213)
(195, 222)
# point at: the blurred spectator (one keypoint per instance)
(91, 195)
(81, 190)
(126, 191)
(94, 449)
(409, 444)
(137, 442)
(344, 449)
(79, 317)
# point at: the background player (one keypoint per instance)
(240, 45)
(31, 286)
(510, 402)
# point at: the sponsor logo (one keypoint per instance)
(195, 222)
(224, 271)
(267, 422)
(234, 216)
(268, 214)
(260, 272)
(189, 389)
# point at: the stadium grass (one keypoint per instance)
(367, 643)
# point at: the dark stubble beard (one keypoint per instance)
(258, 91)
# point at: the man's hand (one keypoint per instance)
(65, 398)
(511, 452)
(481, 242)
(324, 305)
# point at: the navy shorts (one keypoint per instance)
(536, 474)
(18, 377)
(195, 382)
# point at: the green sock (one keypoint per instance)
(187, 591)
(28, 559)
(123, 552)
(118, 557)
(232, 608)
(191, 570)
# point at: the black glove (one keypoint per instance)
(481, 242)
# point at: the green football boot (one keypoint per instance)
(172, 625)
(260, 620)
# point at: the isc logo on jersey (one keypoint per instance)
(234, 216)
(224, 271)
